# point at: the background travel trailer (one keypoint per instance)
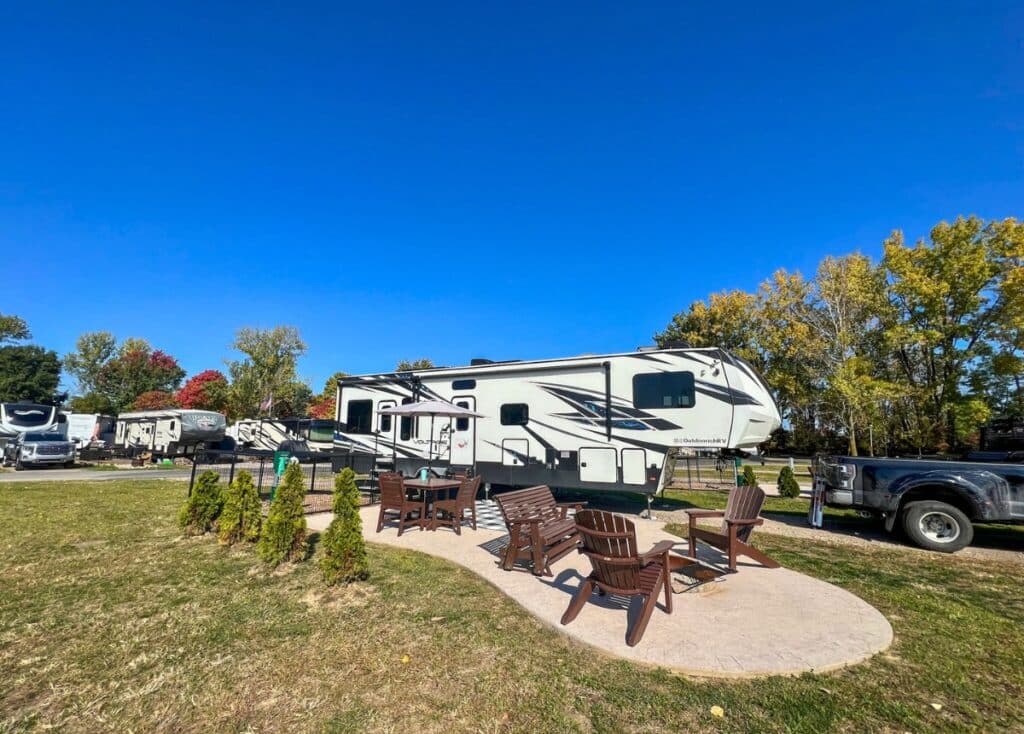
(171, 432)
(268, 434)
(90, 430)
(599, 422)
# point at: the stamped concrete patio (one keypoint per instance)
(752, 623)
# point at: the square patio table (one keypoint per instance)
(432, 486)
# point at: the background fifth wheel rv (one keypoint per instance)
(596, 422)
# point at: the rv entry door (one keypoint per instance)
(463, 438)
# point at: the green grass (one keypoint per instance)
(109, 621)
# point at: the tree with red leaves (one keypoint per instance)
(206, 391)
(137, 368)
(154, 400)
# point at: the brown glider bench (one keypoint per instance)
(539, 528)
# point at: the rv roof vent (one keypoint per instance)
(648, 348)
(480, 360)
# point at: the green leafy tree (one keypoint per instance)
(787, 484)
(417, 364)
(953, 294)
(31, 374)
(242, 516)
(93, 350)
(267, 373)
(344, 559)
(13, 329)
(283, 536)
(202, 508)
(91, 403)
(749, 477)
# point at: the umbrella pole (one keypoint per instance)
(430, 451)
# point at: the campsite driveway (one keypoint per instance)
(90, 475)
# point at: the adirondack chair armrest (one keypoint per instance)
(564, 507)
(660, 549)
(696, 515)
(743, 523)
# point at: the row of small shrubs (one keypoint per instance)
(786, 483)
(236, 515)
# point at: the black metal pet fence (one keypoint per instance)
(319, 469)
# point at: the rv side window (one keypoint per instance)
(462, 424)
(172, 425)
(459, 385)
(515, 414)
(359, 412)
(385, 424)
(663, 390)
(405, 424)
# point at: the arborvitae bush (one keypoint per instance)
(242, 516)
(788, 486)
(344, 559)
(283, 537)
(202, 508)
(749, 477)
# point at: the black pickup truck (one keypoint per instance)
(935, 502)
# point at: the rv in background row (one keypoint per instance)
(269, 434)
(171, 432)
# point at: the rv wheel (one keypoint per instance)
(18, 466)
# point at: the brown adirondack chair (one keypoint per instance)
(740, 517)
(451, 512)
(538, 527)
(609, 541)
(393, 499)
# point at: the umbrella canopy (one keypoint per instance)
(433, 408)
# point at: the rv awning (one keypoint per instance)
(440, 408)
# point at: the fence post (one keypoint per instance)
(259, 483)
(312, 477)
(231, 473)
(689, 476)
(192, 479)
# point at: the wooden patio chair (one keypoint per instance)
(451, 512)
(393, 499)
(609, 541)
(539, 528)
(740, 517)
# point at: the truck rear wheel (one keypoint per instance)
(937, 526)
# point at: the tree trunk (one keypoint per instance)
(853, 437)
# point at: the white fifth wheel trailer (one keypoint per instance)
(170, 432)
(596, 422)
(269, 433)
(18, 418)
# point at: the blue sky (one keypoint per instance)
(517, 180)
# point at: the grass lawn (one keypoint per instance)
(110, 621)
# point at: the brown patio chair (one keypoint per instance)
(451, 512)
(741, 515)
(393, 499)
(609, 541)
(539, 528)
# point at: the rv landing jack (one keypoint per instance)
(649, 507)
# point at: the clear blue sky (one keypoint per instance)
(509, 180)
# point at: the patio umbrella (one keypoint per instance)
(433, 408)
